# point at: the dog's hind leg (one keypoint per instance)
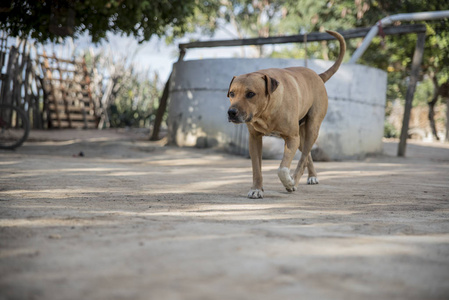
(313, 179)
(291, 145)
(309, 134)
(310, 167)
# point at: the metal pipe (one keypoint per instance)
(421, 16)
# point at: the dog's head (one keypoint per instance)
(249, 95)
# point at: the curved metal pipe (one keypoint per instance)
(421, 16)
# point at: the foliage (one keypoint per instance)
(393, 53)
(135, 103)
(424, 92)
(252, 18)
(390, 131)
(48, 20)
(262, 18)
(130, 98)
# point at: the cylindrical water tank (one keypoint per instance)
(197, 114)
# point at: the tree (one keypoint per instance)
(48, 20)
(262, 18)
(393, 54)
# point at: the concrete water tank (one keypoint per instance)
(197, 114)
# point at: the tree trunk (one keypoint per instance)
(447, 119)
(160, 111)
(444, 92)
(416, 67)
(436, 90)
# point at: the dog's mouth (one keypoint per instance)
(235, 120)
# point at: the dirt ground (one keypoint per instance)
(133, 219)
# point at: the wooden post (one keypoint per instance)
(6, 84)
(48, 76)
(18, 80)
(160, 111)
(92, 107)
(447, 120)
(416, 68)
(28, 82)
(311, 37)
(63, 90)
(38, 80)
(163, 103)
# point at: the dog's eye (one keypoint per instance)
(231, 94)
(250, 95)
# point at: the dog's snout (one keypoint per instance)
(235, 115)
(232, 113)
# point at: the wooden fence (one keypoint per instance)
(19, 85)
(54, 92)
(67, 89)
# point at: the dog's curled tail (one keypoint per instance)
(331, 71)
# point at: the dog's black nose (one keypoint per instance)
(232, 113)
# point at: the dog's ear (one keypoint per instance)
(230, 86)
(271, 84)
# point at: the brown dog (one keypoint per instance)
(289, 102)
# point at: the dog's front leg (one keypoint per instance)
(255, 152)
(291, 145)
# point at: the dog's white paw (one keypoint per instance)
(312, 180)
(286, 179)
(291, 189)
(255, 194)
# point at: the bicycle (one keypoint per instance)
(14, 126)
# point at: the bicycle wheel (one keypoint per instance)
(14, 126)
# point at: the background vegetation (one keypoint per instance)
(48, 20)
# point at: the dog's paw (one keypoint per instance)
(312, 180)
(286, 179)
(255, 194)
(291, 189)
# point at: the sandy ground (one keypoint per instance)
(135, 220)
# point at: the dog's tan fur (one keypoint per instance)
(290, 102)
